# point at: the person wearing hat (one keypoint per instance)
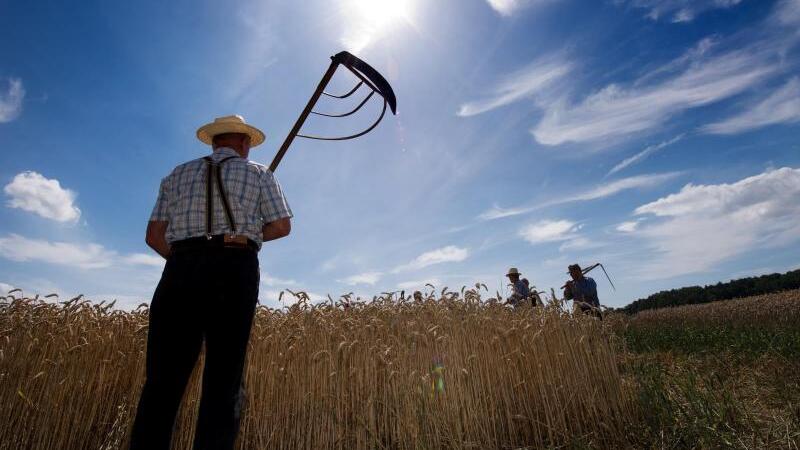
(209, 222)
(519, 291)
(582, 290)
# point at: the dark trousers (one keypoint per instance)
(204, 293)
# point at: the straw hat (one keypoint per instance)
(229, 124)
(513, 271)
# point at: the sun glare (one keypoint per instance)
(381, 13)
(370, 19)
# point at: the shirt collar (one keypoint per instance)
(223, 152)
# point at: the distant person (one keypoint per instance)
(210, 219)
(582, 291)
(533, 296)
(519, 291)
(417, 296)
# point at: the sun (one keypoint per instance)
(370, 19)
(381, 13)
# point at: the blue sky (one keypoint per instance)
(659, 138)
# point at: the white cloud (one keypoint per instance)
(5, 287)
(642, 155)
(549, 231)
(509, 7)
(703, 225)
(679, 10)
(579, 243)
(11, 101)
(598, 192)
(522, 84)
(84, 256)
(787, 13)
(782, 106)
(418, 284)
(329, 264)
(79, 255)
(624, 184)
(144, 259)
(628, 227)
(362, 278)
(496, 212)
(451, 253)
(616, 112)
(32, 192)
(269, 280)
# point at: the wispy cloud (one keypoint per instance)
(84, 256)
(522, 84)
(144, 259)
(32, 192)
(714, 70)
(580, 243)
(79, 255)
(369, 278)
(549, 231)
(644, 154)
(5, 287)
(616, 112)
(451, 253)
(678, 10)
(497, 212)
(269, 280)
(787, 13)
(509, 7)
(782, 106)
(628, 227)
(11, 100)
(623, 184)
(704, 225)
(598, 192)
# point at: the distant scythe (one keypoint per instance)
(592, 267)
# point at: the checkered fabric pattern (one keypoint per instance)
(253, 192)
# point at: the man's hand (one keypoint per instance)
(276, 230)
(156, 237)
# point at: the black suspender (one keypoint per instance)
(214, 170)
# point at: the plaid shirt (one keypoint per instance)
(254, 195)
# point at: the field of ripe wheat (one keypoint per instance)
(451, 371)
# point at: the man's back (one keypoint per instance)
(208, 291)
(520, 292)
(585, 290)
(253, 193)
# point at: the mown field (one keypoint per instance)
(452, 371)
(718, 375)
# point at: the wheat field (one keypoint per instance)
(451, 371)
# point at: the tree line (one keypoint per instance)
(743, 287)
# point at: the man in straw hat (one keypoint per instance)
(519, 291)
(210, 219)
